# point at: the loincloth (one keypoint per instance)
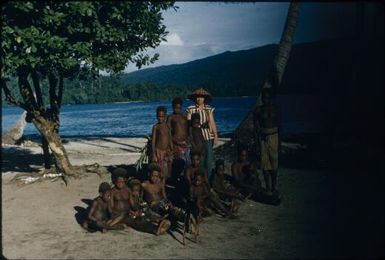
(269, 148)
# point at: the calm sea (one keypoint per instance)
(300, 114)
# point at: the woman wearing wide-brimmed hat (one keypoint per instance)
(207, 123)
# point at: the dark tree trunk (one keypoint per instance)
(48, 130)
(245, 131)
(45, 121)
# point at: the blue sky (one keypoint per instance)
(202, 29)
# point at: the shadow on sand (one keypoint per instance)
(20, 160)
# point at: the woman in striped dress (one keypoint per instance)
(207, 124)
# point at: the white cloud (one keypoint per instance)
(173, 39)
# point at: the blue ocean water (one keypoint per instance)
(137, 118)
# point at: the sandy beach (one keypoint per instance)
(321, 216)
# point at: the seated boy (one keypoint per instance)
(99, 216)
(162, 143)
(224, 190)
(120, 194)
(155, 194)
(236, 167)
(249, 183)
(195, 165)
(140, 216)
(202, 197)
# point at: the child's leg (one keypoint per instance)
(273, 180)
(266, 175)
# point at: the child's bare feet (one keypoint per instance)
(164, 225)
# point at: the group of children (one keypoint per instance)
(177, 184)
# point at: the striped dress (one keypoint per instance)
(203, 113)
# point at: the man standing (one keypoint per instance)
(266, 125)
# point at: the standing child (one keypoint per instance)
(99, 216)
(177, 122)
(162, 143)
(196, 137)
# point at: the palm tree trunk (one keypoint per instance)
(244, 132)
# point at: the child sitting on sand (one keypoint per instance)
(155, 194)
(249, 182)
(195, 165)
(223, 189)
(177, 122)
(162, 143)
(120, 194)
(99, 216)
(202, 197)
(236, 167)
(140, 216)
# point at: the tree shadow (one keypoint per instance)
(20, 160)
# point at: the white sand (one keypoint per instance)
(38, 220)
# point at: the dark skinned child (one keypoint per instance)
(140, 216)
(155, 194)
(177, 122)
(99, 216)
(162, 146)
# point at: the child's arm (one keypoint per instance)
(170, 139)
(213, 125)
(92, 211)
(164, 195)
(153, 143)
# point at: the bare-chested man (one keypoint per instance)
(266, 124)
(178, 124)
(99, 216)
(162, 143)
(155, 194)
(120, 194)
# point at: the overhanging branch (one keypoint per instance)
(9, 97)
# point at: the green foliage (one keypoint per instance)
(62, 36)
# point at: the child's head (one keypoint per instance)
(177, 104)
(119, 175)
(195, 120)
(105, 191)
(243, 153)
(220, 167)
(161, 113)
(154, 173)
(195, 158)
(198, 177)
(135, 187)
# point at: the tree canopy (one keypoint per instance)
(62, 36)
(56, 40)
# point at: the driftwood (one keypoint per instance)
(53, 175)
(15, 133)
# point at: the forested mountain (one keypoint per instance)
(313, 68)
